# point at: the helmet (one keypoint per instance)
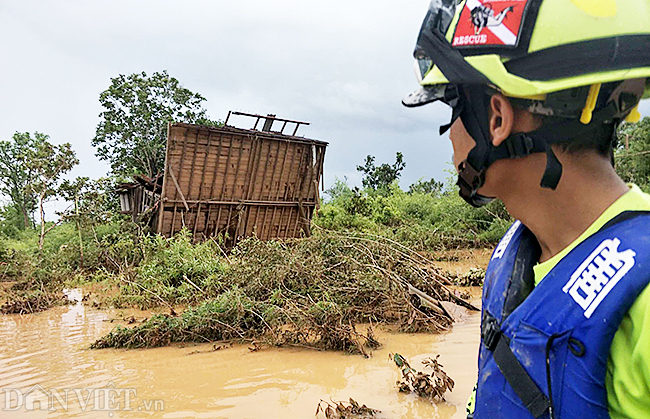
(584, 62)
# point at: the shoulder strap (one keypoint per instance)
(531, 396)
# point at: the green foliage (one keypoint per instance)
(430, 186)
(423, 220)
(16, 175)
(132, 132)
(380, 177)
(174, 270)
(59, 260)
(633, 164)
(11, 221)
(47, 162)
(94, 201)
(230, 315)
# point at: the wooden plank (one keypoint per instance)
(250, 203)
(161, 212)
(173, 226)
(256, 156)
(241, 151)
(180, 163)
(280, 221)
(311, 162)
(217, 161)
(249, 164)
(214, 175)
(264, 172)
(286, 228)
(196, 219)
(228, 222)
(262, 182)
(302, 218)
(284, 160)
(225, 173)
(240, 212)
(190, 182)
(205, 164)
(257, 214)
(298, 217)
(303, 175)
(319, 176)
(300, 190)
(207, 221)
(178, 188)
(289, 189)
(273, 171)
(218, 224)
(263, 224)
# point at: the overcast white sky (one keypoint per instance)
(341, 65)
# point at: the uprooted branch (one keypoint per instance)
(428, 386)
(345, 410)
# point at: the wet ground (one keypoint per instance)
(47, 353)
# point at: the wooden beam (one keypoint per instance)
(225, 173)
(249, 203)
(190, 182)
(284, 160)
(241, 151)
(178, 188)
(162, 193)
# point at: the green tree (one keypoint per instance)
(16, 175)
(380, 177)
(430, 186)
(11, 221)
(132, 132)
(93, 204)
(48, 162)
(633, 153)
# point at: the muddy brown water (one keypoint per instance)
(47, 354)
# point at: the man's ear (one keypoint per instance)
(501, 118)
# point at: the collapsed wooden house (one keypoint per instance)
(232, 182)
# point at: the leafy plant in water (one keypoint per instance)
(428, 386)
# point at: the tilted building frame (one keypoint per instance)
(233, 183)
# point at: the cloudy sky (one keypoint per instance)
(341, 65)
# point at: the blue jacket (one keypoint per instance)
(544, 349)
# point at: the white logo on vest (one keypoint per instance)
(505, 241)
(598, 274)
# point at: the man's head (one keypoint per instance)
(530, 83)
(506, 119)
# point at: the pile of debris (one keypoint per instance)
(428, 386)
(30, 302)
(343, 410)
(308, 292)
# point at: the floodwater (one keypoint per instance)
(47, 353)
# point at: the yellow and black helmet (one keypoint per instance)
(585, 61)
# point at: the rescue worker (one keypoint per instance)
(537, 90)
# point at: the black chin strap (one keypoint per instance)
(473, 111)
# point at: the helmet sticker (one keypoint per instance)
(491, 23)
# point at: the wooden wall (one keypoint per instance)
(235, 182)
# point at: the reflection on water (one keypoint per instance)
(50, 349)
